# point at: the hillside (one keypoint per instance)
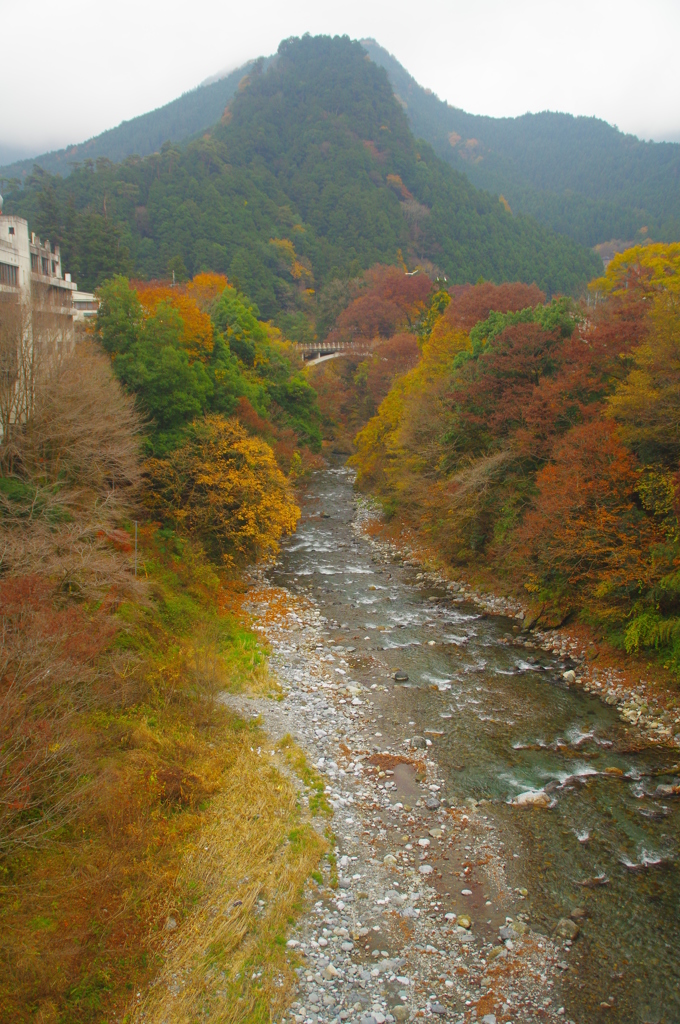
(312, 174)
(579, 175)
(174, 122)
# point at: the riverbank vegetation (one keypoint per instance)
(153, 465)
(536, 442)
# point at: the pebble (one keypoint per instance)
(402, 944)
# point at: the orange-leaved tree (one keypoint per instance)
(197, 335)
(225, 486)
(585, 529)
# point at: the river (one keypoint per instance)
(502, 722)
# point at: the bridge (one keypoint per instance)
(319, 352)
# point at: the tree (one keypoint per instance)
(224, 486)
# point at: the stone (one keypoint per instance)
(425, 869)
(439, 1009)
(330, 972)
(436, 833)
(424, 843)
(532, 798)
(418, 742)
(400, 1012)
(464, 921)
(344, 883)
(666, 791)
(170, 924)
(566, 928)
(347, 946)
(432, 803)
(389, 860)
(489, 1018)
(577, 914)
(569, 676)
(495, 952)
(314, 998)
(400, 676)
(466, 892)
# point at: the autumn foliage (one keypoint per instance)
(542, 442)
(224, 487)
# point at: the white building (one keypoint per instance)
(85, 306)
(29, 265)
(37, 316)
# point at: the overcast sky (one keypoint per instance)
(69, 71)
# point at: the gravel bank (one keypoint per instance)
(422, 921)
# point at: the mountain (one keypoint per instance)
(310, 175)
(175, 122)
(578, 175)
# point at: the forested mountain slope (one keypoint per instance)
(312, 174)
(174, 122)
(579, 175)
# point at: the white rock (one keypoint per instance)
(532, 798)
(425, 869)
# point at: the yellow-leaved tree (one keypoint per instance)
(224, 486)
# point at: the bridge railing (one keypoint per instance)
(317, 349)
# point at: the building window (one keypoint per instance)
(8, 275)
(45, 266)
(11, 231)
(54, 268)
(34, 263)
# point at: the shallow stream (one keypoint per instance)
(502, 722)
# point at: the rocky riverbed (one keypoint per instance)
(639, 703)
(402, 934)
(506, 839)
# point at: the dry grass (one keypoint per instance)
(128, 794)
(245, 875)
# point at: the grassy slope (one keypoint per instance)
(175, 791)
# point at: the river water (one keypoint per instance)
(503, 723)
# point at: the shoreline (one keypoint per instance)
(641, 705)
(388, 934)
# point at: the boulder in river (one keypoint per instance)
(432, 803)
(532, 798)
(464, 921)
(400, 676)
(666, 791)
(566, 928)
(418, 742)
